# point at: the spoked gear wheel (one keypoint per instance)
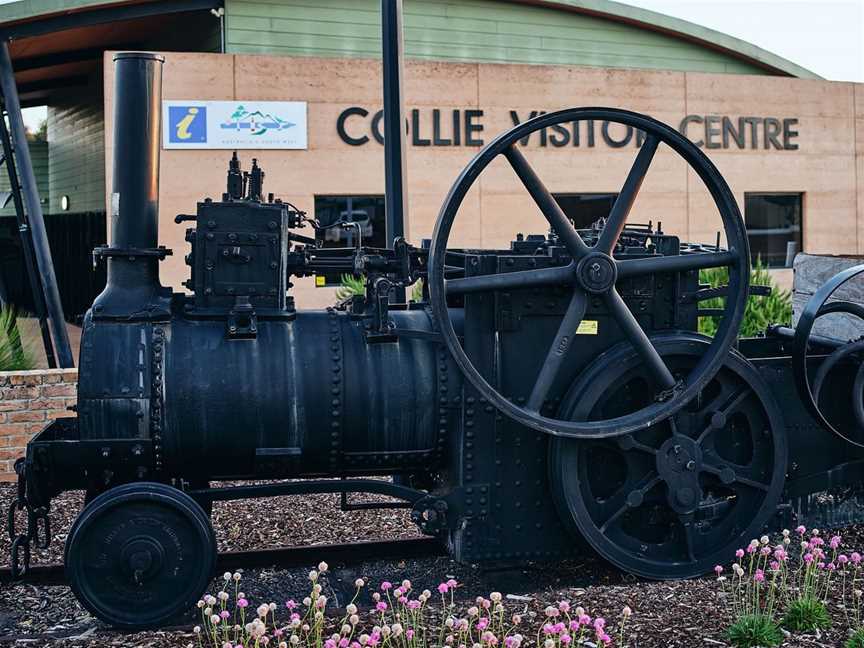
(140, 555)
(809, 390)
(677, 498)
(592, 272)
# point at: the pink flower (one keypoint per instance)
(482, 623)
(574, 625)
(386, 585)
(242, 603)
(413, 604)
(398, 592)
(442, 588)
(718, 570)
(801, 530)
(835, 542)
(831, 566)
(765, 551)
(290, 604)
(548, 629)
(403, 600)
(343, 642)
(760, 576)
(565, 639)
(856, 558)
(739, 553)
(775, 566)
(224, 614)
(451, 583)
(842, 559)
(808, 558)
(585, 619)
(409, 634)
(599, 623)
(381, 606)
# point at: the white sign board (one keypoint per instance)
(234, 124)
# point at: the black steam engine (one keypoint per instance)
(527, 401)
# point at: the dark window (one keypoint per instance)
(773, 223)
(366, 211)
(584, 209)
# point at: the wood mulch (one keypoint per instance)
(680, 614)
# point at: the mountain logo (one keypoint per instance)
(256, 122)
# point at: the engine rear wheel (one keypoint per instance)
(139, 555)
(677, 498)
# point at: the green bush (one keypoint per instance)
(351, 286)
(806, 615)
(14, 352)
(754, 631)
(776, 308)
(856, 640)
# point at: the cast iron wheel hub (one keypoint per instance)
(596, 273)
(679, 461)
(143, 557)
(139, 555)
(678, 497)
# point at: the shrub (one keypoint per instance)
(350, 286)
(806, 615)
(856, 640)
(754, 630)
(401, 617)
(14, 352)
(776, 308)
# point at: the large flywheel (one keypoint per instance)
(678, 497)
(591, 273)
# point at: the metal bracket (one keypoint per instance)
(242, 321)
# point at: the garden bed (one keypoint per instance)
(684, 614)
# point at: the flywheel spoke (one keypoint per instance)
(730, 473)
(633, 331)
(719, 417)
(624, 202)
(511, 280)
(547, 204)
(677, 263)
(558, 350)
(629, 499)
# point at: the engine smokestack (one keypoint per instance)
(133, 288)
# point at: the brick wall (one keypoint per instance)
(28, 400)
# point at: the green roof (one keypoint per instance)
(743, 57)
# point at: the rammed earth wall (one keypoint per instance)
(28, 401)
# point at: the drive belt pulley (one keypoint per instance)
(592, 273)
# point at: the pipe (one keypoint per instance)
(395, 195)
(133, 288)
(35, 221)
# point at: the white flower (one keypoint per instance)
(376, 596)
(495, 597)
(346, 628)
(294, 639)
(754, 543)
(197, 629)
(215, 619)
(321, 602)
(549, 643)
(764, 540)
(580, 611)
(785, 533)
(359, 583)
(517, 619)
(313, 575)
(473, 611)
(626, 612)
(208, 611)
(226, 576)
(426, 594)
(322, 567)
(263, 610)
(354, 619)
(449, 622)
(815, 532)
(351, 608)
(283, 644)
(272, 607)
(200, 604)
(406, 584)
(397, 629)
(319, 616)
(385, 631)
(307, 601)
(236, 576)
(363, 639)
(223, 596)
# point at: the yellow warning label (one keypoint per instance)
(587, 327)
(320, 280)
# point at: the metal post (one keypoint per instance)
(45, 265)
(395, 196)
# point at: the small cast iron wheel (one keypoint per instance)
(817, 306)
(678, 497)
(139, 555)
(594, 271)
